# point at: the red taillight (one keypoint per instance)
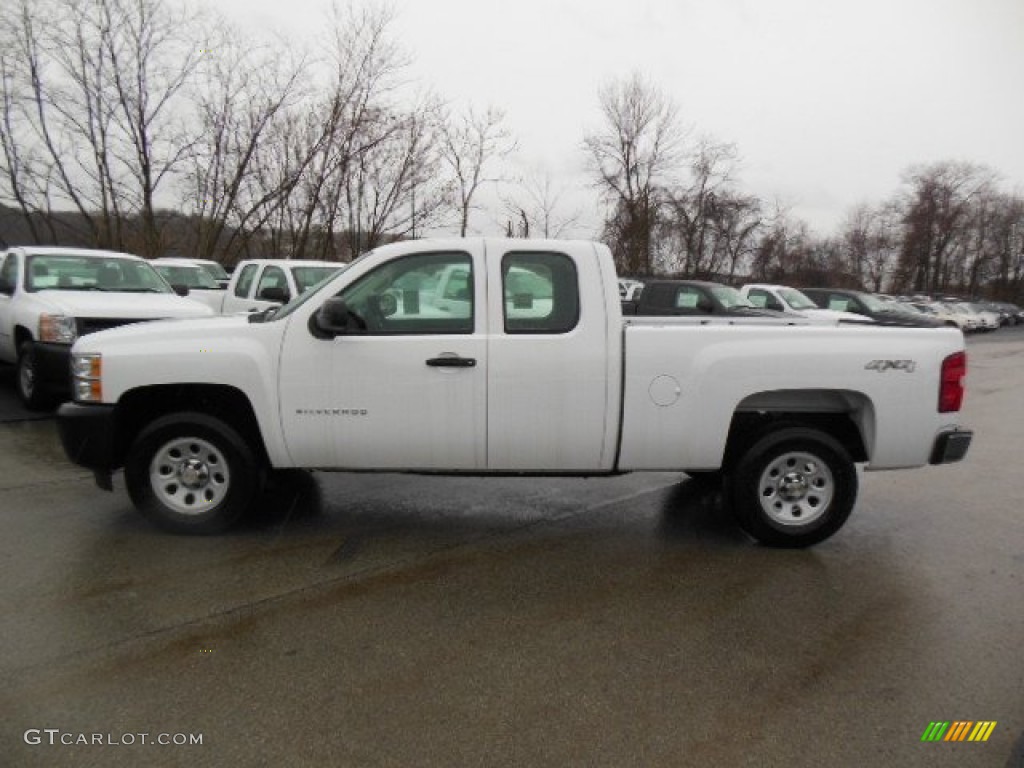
(951, 387)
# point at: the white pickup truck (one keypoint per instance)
(530, 370)
(51, 296)
(259, 284)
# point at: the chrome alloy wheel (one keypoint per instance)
(189, 475)
(796, 488)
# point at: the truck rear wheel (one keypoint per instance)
(793, 488)
(191, 473)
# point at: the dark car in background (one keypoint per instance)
(869, 305)
(694, 298)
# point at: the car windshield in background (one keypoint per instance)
(796, 300)
(730, 297)
(192, 277)
(215, 270)
(307, 277)
(66, 272)
(877, 305)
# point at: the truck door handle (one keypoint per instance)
(452, 361)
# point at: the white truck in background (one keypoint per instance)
(51, 296)
(259, 284)
(531, 369)
(782, 298)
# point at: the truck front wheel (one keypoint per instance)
(191, 473)
(793, 488)
(27, 377)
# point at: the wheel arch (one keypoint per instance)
(846, 415)
(139, 407)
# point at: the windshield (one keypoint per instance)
(304, 296)
(214, 270)
(796, 300)
(192, 277)
(87, 272)
(875, 304)
(729, 297)
(307, 277)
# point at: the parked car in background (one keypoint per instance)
(49, 297)
(987, 320)
(213, 268)
(884, 312)
(1006, 317)
(949, 314)
(694, 298)
(189, 279)
(1016, 313)
(258, 284)
(782, 298)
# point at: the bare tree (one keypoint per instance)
(689, 229)
(737, 220)
(536, 207)
(471, 143)
(393, 188)
(634, 158)
(871, 242)
(243, 101)
(91, 87)
(936, 211)
(1006, 240)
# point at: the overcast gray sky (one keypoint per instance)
(828, 102)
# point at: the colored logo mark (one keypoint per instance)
(959, 730)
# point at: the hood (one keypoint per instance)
(112, 304)
(170, 329)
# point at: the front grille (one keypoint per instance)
(87, 325)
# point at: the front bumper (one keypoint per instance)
(87, 433)
(951, 446)
(53, 369)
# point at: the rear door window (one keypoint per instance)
(541, 292)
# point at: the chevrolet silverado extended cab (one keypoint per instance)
(51, 296)
(509, 357)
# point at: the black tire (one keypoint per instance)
(793, 487)
(707, 477)
(192, 473)
(27, 381)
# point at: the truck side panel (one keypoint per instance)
(683, 385)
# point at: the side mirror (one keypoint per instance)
(178, 288)
(5, 286)
(274, 293)
(332, 319)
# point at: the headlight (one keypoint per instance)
(87, 377)
(57, 329)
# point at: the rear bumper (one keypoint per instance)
(951, 446)
(87, 434)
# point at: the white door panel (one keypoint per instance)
(548, 396)
(373, 402)
(405, 386)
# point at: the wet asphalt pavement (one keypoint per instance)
(385, 620)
